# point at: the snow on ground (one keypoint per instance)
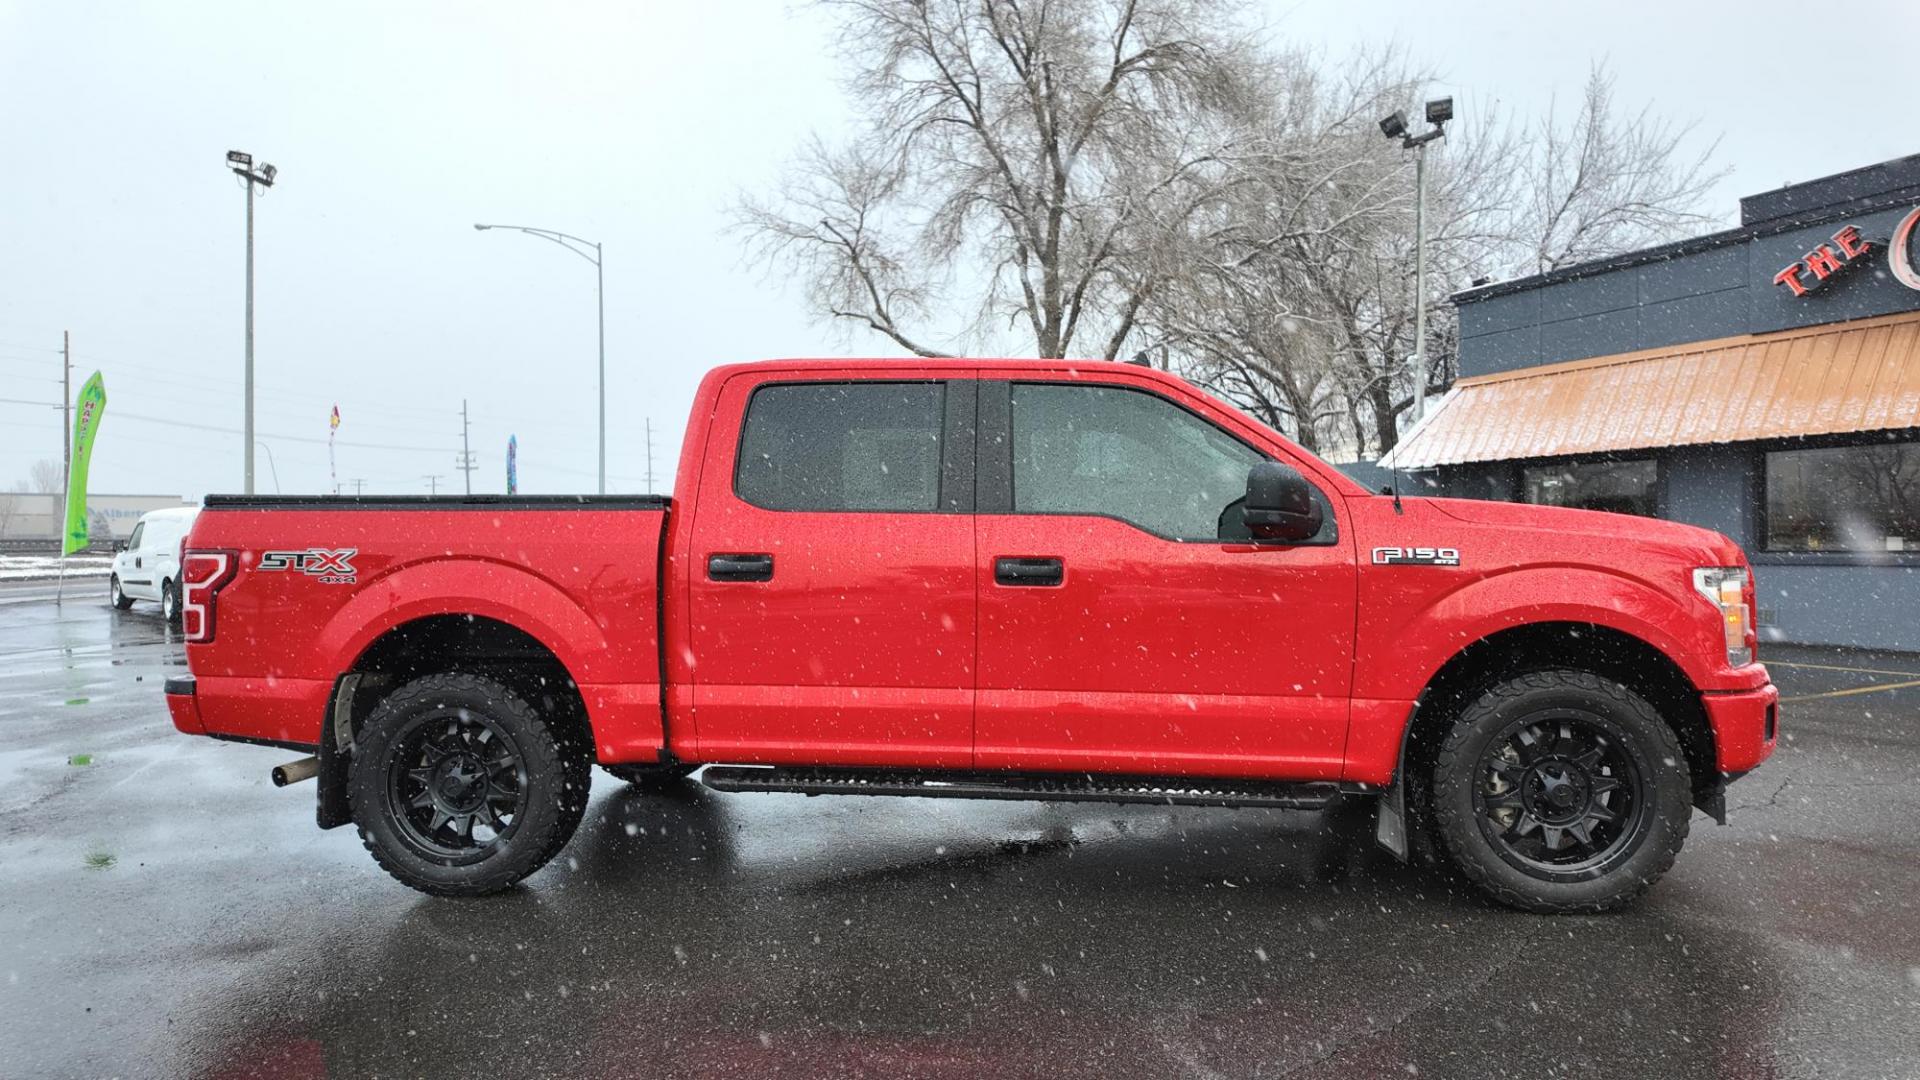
(47, 567)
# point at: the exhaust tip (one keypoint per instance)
(295, 771)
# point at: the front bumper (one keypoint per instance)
(1746, 726)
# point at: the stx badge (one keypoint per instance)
(331, 567)
(1416, 556)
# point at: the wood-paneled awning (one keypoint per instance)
(1823, 380)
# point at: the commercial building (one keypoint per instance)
(1763, 381)
(26, 516)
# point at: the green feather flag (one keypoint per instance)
(86, 424)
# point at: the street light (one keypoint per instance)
(579, 247)
(1394, 126)
(241, 163)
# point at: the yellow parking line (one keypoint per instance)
(1835, 667)
(1856, 690)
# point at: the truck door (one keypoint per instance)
(1126, 623)
(831, 596)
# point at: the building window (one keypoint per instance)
(1844, 498)
(1620, 487)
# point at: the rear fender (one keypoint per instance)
(506, 593)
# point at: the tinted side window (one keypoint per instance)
(1126, 454)
(842, 446)
(133, 541)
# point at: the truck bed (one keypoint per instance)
(321, 579)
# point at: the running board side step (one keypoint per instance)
(1055, 787)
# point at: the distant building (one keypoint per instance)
(1763, 381)
(26, 516)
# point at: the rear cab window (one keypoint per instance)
(843, 446)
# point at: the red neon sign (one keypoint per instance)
(1812, 270)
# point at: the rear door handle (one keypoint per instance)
(756, 567)
(1024, 571)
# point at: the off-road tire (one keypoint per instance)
(650, 777)
(1653, 749)
(118, 596)
(556, 772)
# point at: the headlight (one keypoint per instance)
(1726, 588)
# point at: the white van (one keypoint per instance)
(149, 567)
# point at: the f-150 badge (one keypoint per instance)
(1416, 556)
(331, 567)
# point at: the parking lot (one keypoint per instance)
(166, 911)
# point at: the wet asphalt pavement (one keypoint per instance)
(164, 911)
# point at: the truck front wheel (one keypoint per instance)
(1560, 791)
(460, 789)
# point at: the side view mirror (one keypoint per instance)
(1280, 504)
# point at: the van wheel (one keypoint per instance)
(460, 789)
(1560, 791)
(170, 602)
(121, 600)
(651, 777)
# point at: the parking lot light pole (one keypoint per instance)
(1439, 111)
(579, 247)
(241, 163)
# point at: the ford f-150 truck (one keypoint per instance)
(987, 579)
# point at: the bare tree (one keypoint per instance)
(1607, 183)
(46, 476)
(1096, 177)
(10, 507)
(1021, 161)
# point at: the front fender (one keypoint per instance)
(1398, 655)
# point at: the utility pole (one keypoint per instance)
(649, 455)
(241, 163)
(466, 455)
(359, 485)
(433, 483)
(66, 409)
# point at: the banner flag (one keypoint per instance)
(513, 465)
(86, 424)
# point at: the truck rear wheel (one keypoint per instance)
(460, 789)
(1560, 791)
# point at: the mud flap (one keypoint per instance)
(1712, 801)
(1390, 819)
(353, 697)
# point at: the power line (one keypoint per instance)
(433, 483)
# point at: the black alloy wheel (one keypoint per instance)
(1561, 791)
(458, 782)
(461, 788)
(1559, 797)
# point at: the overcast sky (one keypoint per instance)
(397, 126)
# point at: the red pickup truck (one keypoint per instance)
(987, 579)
